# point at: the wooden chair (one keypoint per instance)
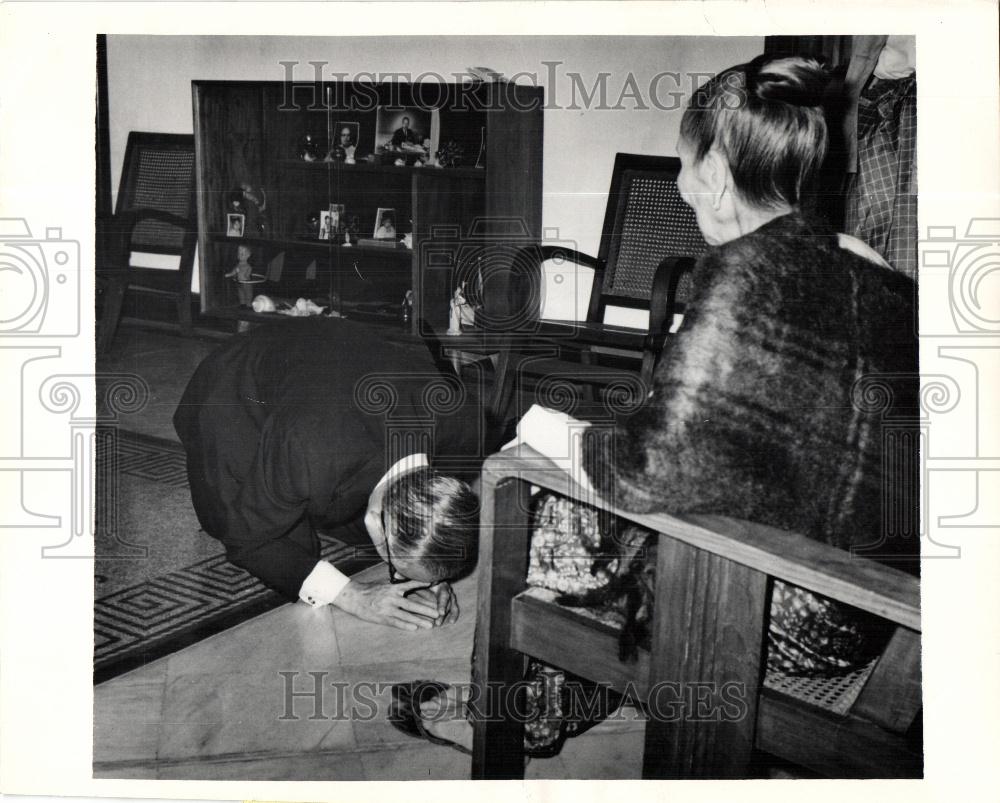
(154, 214)
(649, 240)
(713, 589)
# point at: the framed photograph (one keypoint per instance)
(385, 224)
(347, 135)
(337, 220)
(410, 130)
(326, 227)
(235, 223)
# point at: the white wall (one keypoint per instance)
(150, 90)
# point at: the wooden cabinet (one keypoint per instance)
(463, 221)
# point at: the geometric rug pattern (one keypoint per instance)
(159, 615)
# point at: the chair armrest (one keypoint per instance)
(662, 306)
(663, 299)
(823, 569)
(537, 254)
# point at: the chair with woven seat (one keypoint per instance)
(154, 222)
(649, 242)
(714, 576)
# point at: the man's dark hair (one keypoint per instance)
(434, 519)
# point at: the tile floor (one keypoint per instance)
(244, 705)
(221, 709)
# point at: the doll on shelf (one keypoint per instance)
(460, 311)
(242, 274)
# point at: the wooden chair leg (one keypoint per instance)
(184, 309)
(706, 665)
(505, 379)
(497, 673)
(111, 315)
(892, 696)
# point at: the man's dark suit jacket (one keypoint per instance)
(290, 427)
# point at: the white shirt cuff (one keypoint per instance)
(323, 584)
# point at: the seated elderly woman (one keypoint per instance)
(798, 350)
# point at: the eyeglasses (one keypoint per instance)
(394, 576)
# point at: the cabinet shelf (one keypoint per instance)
(320, 246)
(366, 313)
(375, 167)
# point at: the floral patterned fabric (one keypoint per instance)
(808, 634)
(564, 543)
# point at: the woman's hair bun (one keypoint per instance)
(798, 81)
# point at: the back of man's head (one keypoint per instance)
(435, 520)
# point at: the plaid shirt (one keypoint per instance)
(882, 202)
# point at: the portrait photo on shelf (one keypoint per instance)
(234, 224)
(326, 224)
(347, 136)
(407, 130)
(337, 220)
(385, 224)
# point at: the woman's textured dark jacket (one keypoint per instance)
(788, 397)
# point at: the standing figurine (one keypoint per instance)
(406, 309)
(243, 274)
(455, 310)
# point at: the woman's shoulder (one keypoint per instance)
(789, 237)
(783, 244)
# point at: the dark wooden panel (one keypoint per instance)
(102, 150)
(836, 747)
(892, 696)
(229, 149)
(513, 185)
(503, 565)
(444, 208)
(705, 669)
(576, 643)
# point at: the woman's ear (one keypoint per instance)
(716, 176)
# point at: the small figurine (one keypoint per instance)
(450, 155)
(312, 225)
(308, 150)
(252, 202)
(243, 275)
(406, 309)
(235, 201)
(455, 310)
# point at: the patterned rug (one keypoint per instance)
(160, 583)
